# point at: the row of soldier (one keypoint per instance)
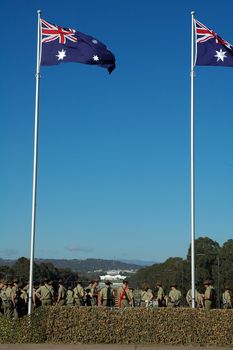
(14, 297)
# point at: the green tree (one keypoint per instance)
(226, 264)
(6, 273)
(48, 271)
(207, 254)
(21, 269)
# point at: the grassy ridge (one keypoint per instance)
(125, 326)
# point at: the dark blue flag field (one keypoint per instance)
(212, 50)
(60, 45)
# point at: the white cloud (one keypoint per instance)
(79, 249)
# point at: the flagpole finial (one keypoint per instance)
(192, 13)
(39, 12)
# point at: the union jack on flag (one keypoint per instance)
(211, 49)
(51, 32)
(60, 44)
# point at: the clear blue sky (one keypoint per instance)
(114, 165)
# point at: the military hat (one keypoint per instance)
(125, 281)
(158, 283)
(96, 280)
(173, 285)
(108, 282)
(227, 288)
(79, 281)
(207, 282)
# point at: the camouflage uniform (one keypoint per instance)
(107, 295)
(15, 295)
(94, 292)
(198, 298)
(160, 295)
(61, 299)
(125, 295)
(78, 294)
(6, 297)
(46, 294)
(209, 295)
(70, 297)
(226, 299)
(174, 297)
(146, 297)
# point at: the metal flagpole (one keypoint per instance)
(192, 168)
(35, 165)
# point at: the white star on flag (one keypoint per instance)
(220, 55)
(96, 58)
(61, 54)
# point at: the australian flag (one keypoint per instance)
(60, 45)
(212, 50)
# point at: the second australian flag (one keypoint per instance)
(212, 50)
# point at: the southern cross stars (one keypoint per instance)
(96, 58)
(220, 55)
(61, 54)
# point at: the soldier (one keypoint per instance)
(125, 295)
(174, 296)
(46, 293)
(6, 297)
(35, 299)
(61, 298)
(160, 294)
(94, 292)
(78, 294)
(87, 299)
(15, 295)
(198, 299)
(146, 295)
(226, 298)
(209, 295)
(25, 291)
(2, 289)
(133, 304)
(21, 306)
(70, 297)
(107, 296)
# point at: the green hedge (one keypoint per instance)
(122, 326)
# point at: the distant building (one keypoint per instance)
(112, 277)
(113, 272)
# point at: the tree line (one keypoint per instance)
(20, 271)
(212, 261)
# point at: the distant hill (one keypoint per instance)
(7, 262)
(85, 265)
(138, 262)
